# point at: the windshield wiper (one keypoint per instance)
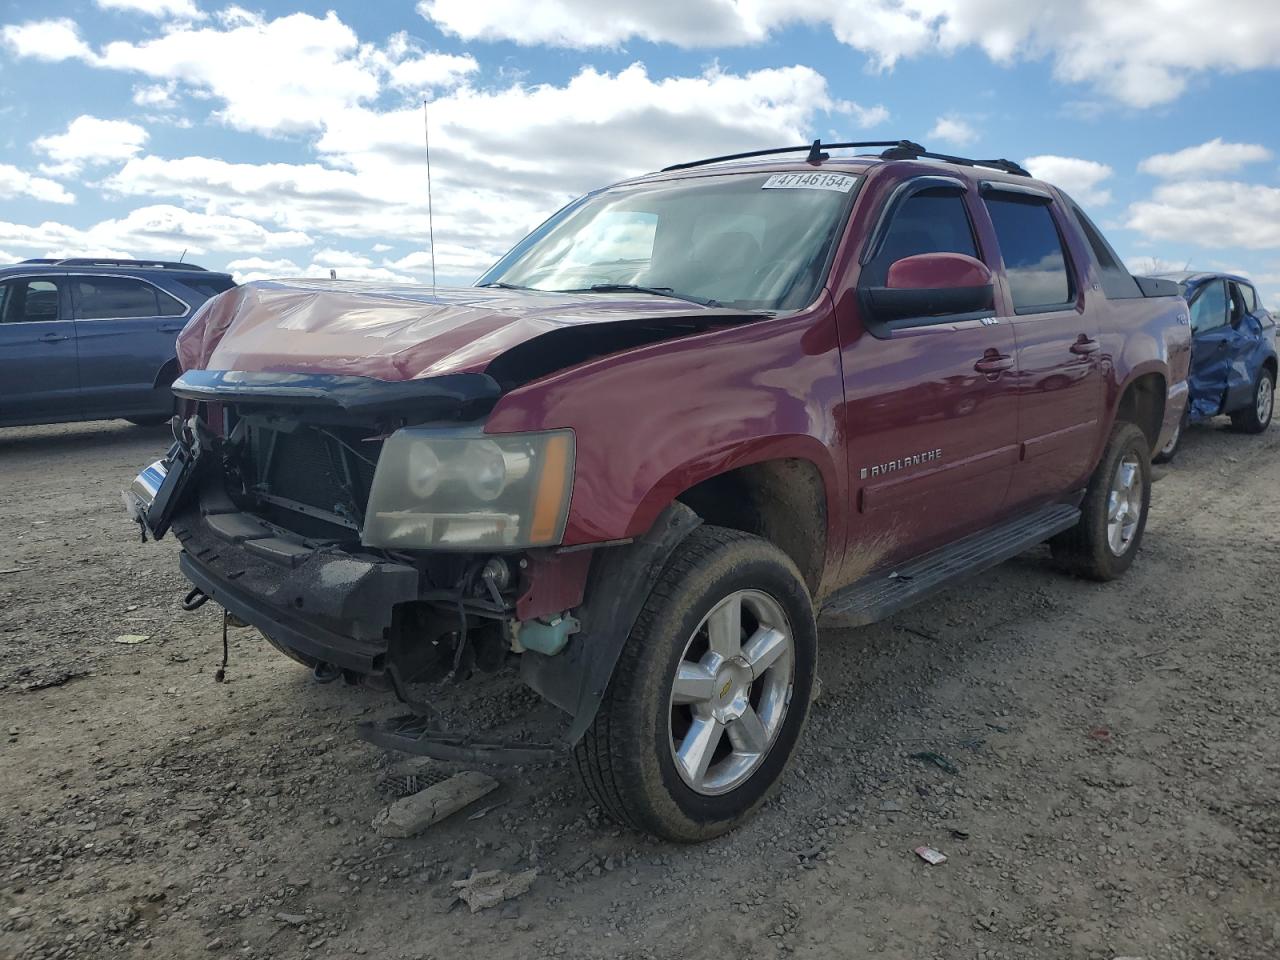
(637, 288)
(504, 285)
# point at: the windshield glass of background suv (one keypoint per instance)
(754, 241)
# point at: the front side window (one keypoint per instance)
(28, 301)
(1209, 306)
(1035, 262)
(118, 298)
(931, 221)
(755, 241)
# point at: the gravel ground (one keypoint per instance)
(1115, 787)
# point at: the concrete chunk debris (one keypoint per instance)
(931, 856)
(410, 815)
(488, 888)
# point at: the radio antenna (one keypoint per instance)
(431, 224)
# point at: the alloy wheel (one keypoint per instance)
(731, 692)
(1124, 505)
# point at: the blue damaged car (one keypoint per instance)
(93, 338)
(1233, 354)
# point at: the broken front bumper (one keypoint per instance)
(322, 603)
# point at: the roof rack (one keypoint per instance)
(114, 262)
(913, 151)
(815, 151)
(39, 260)
(895, 150)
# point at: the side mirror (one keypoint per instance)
(932, 285)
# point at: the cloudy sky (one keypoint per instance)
(287, 138)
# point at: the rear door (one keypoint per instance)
(38, 375)
(1211, 347)
(126, 328)
(930, 409)
(1056, 327)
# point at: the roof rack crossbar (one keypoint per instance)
(914, 151)
(116, 262)
(814, 151)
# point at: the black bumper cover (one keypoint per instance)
(322, 603)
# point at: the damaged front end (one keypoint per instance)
(372, 530)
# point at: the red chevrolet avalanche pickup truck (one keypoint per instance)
(683, 420)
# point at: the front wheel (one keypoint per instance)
(1113, 514)
(1257, 416)
(710, 693)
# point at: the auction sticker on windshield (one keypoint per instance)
(840, 182)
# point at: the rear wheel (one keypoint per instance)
(1114, 510)
(1257, 416)
(710, 693)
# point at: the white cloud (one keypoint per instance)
(502, 158)
(1210, 213)
(1205, 160)
(158, 230)
(1081, 178)
(49, 40)
(953, 130)
(341, 258)
(88, 141)
(177, 9)
(258, 268)
(6, 257)
(159, 95)
(1143, 52)
(424, 71)
(18, 183)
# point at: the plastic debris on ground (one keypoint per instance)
(931, 856)
(489, 888)
(132, 638)
(937, 759)
(1101, 734)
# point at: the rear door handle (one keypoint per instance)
(171, 327)
(994, 363)
(1085, 346)
(53, 338)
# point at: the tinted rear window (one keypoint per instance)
(1034, 259)
(210, 287)
(117, 298)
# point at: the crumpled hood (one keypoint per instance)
(395, 332)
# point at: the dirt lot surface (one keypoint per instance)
(1116, 788)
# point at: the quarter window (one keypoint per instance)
(931, 221)
(1117, 282)
(112, 298)
(28, 301)
(1034, 259)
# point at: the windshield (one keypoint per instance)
(757, 241)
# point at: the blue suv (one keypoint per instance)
(1233, 354)
(92, 339)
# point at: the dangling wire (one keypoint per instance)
(221, 675)
(431, 225)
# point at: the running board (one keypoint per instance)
(884, 594)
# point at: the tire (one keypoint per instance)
(1257, 416)
(627, 759)
(1170, 449)
(1088, 549)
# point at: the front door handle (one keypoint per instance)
(1085, 346)
(53, 338)
(993, 362)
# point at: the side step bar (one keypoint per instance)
(885, 593)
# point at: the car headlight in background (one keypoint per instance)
(439, 489)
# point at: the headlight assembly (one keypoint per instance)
(452, 490)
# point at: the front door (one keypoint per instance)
(126, 329)
(1243, 340)
(930, 407)
(1060, 381)
(38, 378)
(1211, 348)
